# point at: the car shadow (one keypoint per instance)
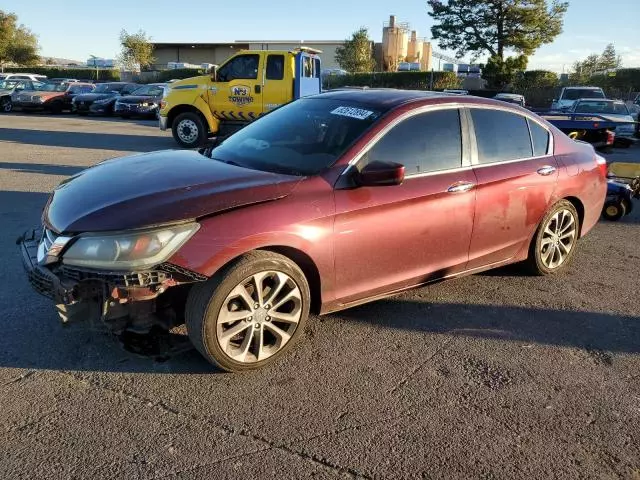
(99, 141)
(574, 329)
(43, 168)
(144, 122)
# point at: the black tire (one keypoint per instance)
(207, 298)
(534, 263)
(125, 116)
(189, 120)
(55, 108)
(6, 105)
(628, 206)
(614, 210)
(82, 114)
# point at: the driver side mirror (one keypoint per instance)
(380, 174)
(214, 73)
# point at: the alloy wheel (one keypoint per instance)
(6, 105)
(558, 238)
(187, 131)
(259, 316)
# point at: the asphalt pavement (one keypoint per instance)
(494, 376)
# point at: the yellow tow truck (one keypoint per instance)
(243, 88)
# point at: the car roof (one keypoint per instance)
(381, 98)
(386, 99)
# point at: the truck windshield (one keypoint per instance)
(301, 138)
(594, 106)
(576, 93)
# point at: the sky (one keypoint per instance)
(76, 29)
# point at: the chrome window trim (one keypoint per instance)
(466, 163)
(475, 161)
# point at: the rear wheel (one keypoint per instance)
(614, 210)
(554, 243)
(189, 130)
(6, 105)
(250, 313)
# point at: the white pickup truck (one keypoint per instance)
(569, 95)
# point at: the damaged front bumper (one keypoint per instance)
(120, 300)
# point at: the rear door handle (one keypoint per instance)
(546, 170)
(460, 187)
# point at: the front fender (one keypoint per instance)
(203, 107)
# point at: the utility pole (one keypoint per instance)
(95, 63)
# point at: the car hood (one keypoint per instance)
(41, 94)
(139, 99)
(157, 188)
(92, 97)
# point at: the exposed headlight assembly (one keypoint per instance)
(127, 250)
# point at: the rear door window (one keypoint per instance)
(540, 139)
(423, 143)
(501, 136)
(275, 67)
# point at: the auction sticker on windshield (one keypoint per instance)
(352, 112)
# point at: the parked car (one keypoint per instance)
(325, 203)
(102, 100)
(63, 80)
(455, 91)
(51, 97)
(143, 102)
(9, 88)
(511, 98)
(615, 110)
(23, 76)
(569, 95)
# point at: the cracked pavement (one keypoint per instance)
(497, 375)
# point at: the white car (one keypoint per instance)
(614, 110)
(511, 98)
(569, 95)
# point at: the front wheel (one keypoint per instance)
(614, 210)
(250, 313)
(554, 243)
(6, 105)
(189, 130)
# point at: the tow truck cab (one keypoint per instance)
(245, 87)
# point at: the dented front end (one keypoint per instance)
(121, 300)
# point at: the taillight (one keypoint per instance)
(611, 136)
(602, 164)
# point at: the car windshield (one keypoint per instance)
(108, 88)
(576, 93)
(8, 84)
(51, 87)
(150, 90)
(301, 138)
(614, 108)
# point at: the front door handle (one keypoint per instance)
(460, 187)
(546, 170)
(258, 89)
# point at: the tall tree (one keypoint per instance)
(495, 27)
(609, 58)
(356, 54)
(137, 50)
(17, 43)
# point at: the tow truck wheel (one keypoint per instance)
(614, 210)
(189, 130)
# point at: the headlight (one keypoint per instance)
(37, 99)
(125, 250)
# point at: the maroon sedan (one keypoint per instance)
(323, 204)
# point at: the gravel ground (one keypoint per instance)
(497, 375)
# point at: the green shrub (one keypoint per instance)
(402, 80)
